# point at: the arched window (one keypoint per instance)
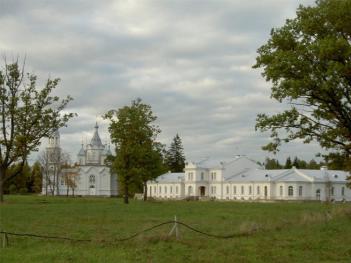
(92, 179)
(290, 191)
(300, 190)
(318, 194)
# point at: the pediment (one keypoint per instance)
(293, 176)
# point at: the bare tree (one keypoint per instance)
(52, 162)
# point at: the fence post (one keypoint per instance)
(5, 240)
(175, 228)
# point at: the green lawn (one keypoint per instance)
(274, 232)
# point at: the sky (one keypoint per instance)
(190, 60)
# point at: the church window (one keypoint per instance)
(342, 191)
(250, 190)
(300, 190)
(234, 189)
(258, 190)
(281, 190)
(290, 191)
(242, 190)
(92, 179)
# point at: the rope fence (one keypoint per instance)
(175, 229)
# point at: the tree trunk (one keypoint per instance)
(145, 191)
(126, 193)
(2, 175)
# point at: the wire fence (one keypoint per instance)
(176, 224)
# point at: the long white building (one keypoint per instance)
(244, 179)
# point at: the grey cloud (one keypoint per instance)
(191, 60)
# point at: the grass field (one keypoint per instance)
(273, 232)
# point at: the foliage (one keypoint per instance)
(273, 164)
(27, 115)
(175, 158)
(138, 155)
(308, 62)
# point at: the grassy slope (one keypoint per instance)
(277, 232)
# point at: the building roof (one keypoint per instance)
(81, 151)
(170, 178)
(96, 141)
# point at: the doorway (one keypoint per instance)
(202, 190)
(92, 190)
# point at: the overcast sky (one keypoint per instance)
(190, 60)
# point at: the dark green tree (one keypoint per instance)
(27, 115)
(272, 164)
(308, 62)
(36, 178)
(313, 165)
(134, 134)
(175, 158)
(288, 163)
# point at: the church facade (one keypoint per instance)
(243, 179)
(90, 177)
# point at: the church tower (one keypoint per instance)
(54, 149)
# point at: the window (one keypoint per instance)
(150, 190)
(332, 191)
(300, 190)
(160, 190)
(176, 189)
(190, 190)
(214, 176)
(265, 191)
(242, 189)
(234, 189)
(250, 190)
(213, 190)
(290, 191)
(202, 176)
(227, 190)
(258, 190)
(318, 194)
(165, 189)
(170, 190)
(92, 179)
(342, 191)
(281, 190)
(62, 182)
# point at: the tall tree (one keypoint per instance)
(288, 163)
(175, 158)
(27, 115)
(36, 178)
(134, 133)
(308, 61)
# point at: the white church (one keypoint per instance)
(244, 179)
(93, 177)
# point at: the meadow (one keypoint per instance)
(268, 232)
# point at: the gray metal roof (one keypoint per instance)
(96, 141)
(170, 178)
